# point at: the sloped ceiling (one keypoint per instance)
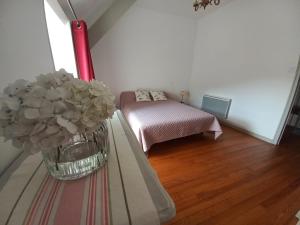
(178, 7)
(101, 15)
(89, 10)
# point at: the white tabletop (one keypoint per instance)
(134, 191)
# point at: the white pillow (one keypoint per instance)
(142, 96)
(158, 96)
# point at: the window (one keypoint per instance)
(60, 37)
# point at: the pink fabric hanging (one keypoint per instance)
(82, 51)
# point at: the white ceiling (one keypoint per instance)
(89, 10)
(178, 7)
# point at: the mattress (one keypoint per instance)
(155, 122)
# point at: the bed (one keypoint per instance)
(159, 121)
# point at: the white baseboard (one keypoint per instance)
(242, 130)
(298, 216)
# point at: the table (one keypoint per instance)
(125, 191)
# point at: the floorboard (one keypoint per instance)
(235, 180)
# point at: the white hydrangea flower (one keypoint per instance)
(46, 109)
(8, 132)
(17, 88)
(34, 139)
(38, 128)
(73, 116)
(52, 95)
(53, 80)
(13, 103)
(5, 114)
(51, 140)
(78, 85)
(91, 117)
(21, 130)
(97, 88)
(1, 131)
(33, 102)
(64, 93)
(59, 107)
(52, 129)
(46, 113)
(31, 113)
(72, 128)
(43, 81)
(38, 92)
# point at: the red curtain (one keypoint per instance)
(82, 51)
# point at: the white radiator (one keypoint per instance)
(216, 106)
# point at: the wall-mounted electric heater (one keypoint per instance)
(216, 106)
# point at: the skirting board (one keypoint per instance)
(298, 216)
(235, 127)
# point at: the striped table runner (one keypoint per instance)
(83, 201)
(115, 194)
(47, 201)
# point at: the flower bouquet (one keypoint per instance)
(61, 116)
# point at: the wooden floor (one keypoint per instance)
(236, 180)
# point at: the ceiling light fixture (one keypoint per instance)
(204, 3)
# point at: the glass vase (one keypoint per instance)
(80, 156)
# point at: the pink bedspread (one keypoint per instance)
(155, 122)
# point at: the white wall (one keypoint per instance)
(146, 49)
(248, 51)
(244, 50)
(24, 50)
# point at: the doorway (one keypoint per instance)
(290, 132)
